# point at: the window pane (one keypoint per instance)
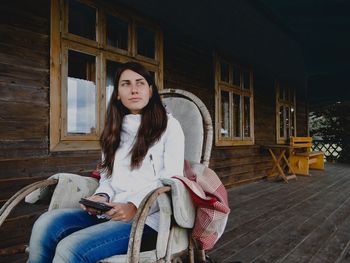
(281, 113)
(225, 114)
(111, 68)
(146, 40)
(236, 115)
(236, 76)
(287, 122)
(224, 69)
(292, 118)
(246, 117)
(82, 20)
(246, 80)
(117, 32)
(81, 94)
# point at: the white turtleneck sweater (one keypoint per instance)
(163, 160)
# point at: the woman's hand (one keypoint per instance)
(122, 212)
(95, 198)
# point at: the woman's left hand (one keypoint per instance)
(122, 212)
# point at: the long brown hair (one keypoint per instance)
(153, 122)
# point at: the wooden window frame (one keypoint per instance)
(291, 103)
(232, 89)
(61, 41)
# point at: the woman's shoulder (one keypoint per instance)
(173, 123)
(172, 120)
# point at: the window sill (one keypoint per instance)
(234, 143)
(75, 146)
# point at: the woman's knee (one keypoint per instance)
(93, 244)
(67, 250)
(42, 241)
(52, 226)
(43, 221)
(43, 225)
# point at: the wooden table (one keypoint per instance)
(280, 160)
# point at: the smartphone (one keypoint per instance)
(96, 205)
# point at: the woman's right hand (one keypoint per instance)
(95, 198)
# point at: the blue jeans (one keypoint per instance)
(72, 235)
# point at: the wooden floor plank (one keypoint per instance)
(301, 230)
(270, 209)
(275, 240)
(306, 250)
(337, 245)
(345, 257)
(290, 222)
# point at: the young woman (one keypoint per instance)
(140, 144)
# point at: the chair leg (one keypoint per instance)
(201, 256)
(191, 250)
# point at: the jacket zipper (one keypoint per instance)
(152, 163)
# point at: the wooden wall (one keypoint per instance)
(24, 114)
(189, 66)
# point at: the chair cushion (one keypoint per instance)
(184, 210)
(190, 118)
(70, 188)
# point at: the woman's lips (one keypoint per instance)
(135, 99)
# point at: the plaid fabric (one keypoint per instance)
(210, 198)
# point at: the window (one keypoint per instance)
(285, 112)
(88, 42)
(234, 110)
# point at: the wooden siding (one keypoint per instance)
(24, 117)
(190, 66)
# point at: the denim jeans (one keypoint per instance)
(72, 235)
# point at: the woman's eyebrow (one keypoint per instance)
(128, 80)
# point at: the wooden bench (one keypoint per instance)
(301, 158)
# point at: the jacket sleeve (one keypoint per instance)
(136, 198)
(105, 185)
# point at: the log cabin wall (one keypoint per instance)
(189, 66)
(24, 117)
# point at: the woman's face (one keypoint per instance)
(133, 91)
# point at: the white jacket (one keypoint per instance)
(163, 160)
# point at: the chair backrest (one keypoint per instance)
(301, 142)
(195, 121)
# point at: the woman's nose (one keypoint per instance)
(134, 89)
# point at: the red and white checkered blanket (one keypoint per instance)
(210, 198)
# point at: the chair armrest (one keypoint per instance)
(20, 195)
(139, 222)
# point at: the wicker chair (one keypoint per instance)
(173, 241)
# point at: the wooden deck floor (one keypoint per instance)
(306, 220)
